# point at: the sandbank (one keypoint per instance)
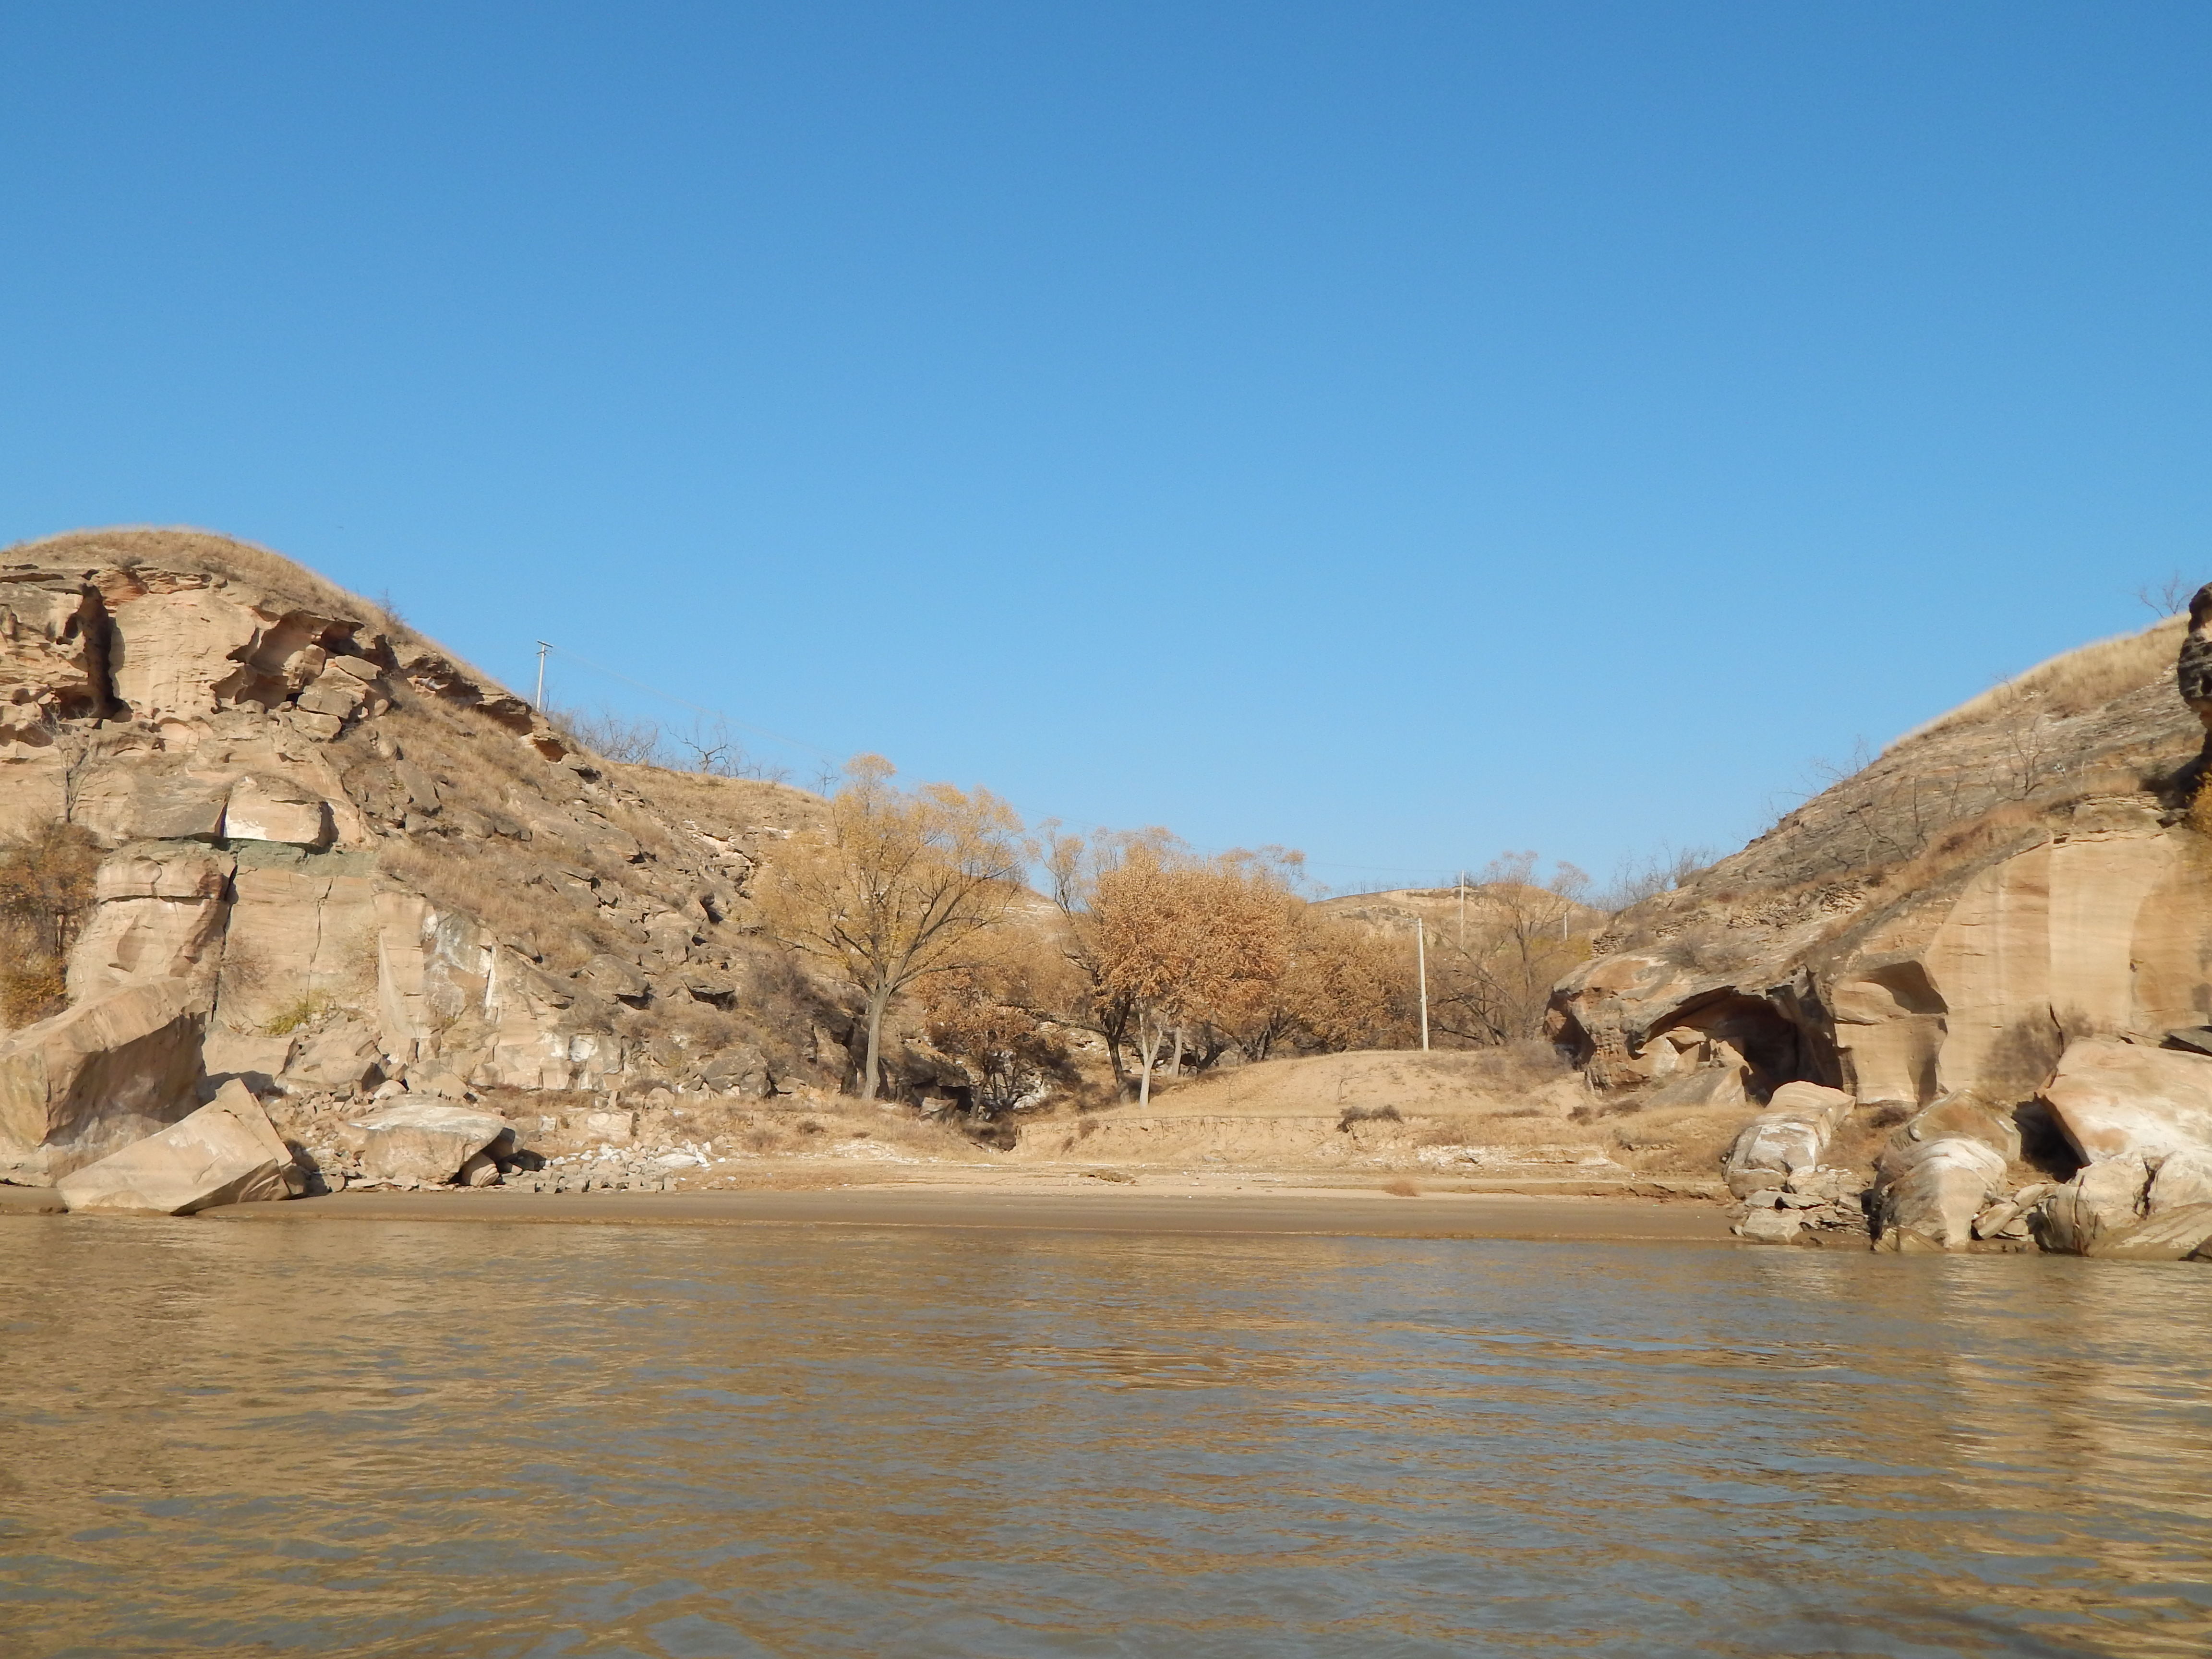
(1091, 1208)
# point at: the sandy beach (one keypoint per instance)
(1093, 1208)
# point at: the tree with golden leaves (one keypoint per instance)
(1179, 937)
(992, 1017)
(1341, 986)
(895, 887)
(1092, 999)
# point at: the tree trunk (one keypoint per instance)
(872, 1077)
(1149, 1037)
(1175, 1066)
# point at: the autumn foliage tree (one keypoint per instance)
(896, 887)
(993, 1016)
(1341, 987)
(1180, 955)
(1181, 939)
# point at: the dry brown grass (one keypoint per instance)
(1401, 1189)
(31, 991)
(2075, 681)
(723, 806)
(200, 552)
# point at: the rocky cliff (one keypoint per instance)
(337, 862)
(2001, 891)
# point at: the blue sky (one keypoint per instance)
(1401, 431)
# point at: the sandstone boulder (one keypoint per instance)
(1711, 1088)
(161, 908)
(2156, 1208)
(224, 1153)
(2113, 1097)
(410, 1140)
(2192, 672)
(262, 807)
(137, 799)
(1787, 1139)
(250, 1056)
(96, 1077)
(1927, 1193)
(335, 692)
(344, 1054)
(1769, 1226)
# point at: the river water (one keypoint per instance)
(395, 1438)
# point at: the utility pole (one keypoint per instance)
(1421, 955)
(542, 649)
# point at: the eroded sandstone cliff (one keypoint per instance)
(1933, 935)
(339, 861)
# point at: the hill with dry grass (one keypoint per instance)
(1938, 926)
(331, 858)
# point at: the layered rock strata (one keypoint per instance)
(338, 860)
(1983, 936)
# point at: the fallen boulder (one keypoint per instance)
(265, 807)
(224, 1153)
(1927, 1193)
(343, 1055)
(1770, 1226)
(97, 1077)
(1787, 1139)
(427, 1141)
(2113, 1097)
(2156, 1208)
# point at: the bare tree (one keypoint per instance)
(2028, 749)
(1489, 984)
(1642, 876)
(2169, 598)
(710, 747)
(895, 887)
(611, 736)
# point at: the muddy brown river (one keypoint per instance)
(415, 1437)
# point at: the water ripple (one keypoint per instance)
(408, 1439)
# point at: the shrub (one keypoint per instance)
(306, 1010)
(2200, 807)
(1353, 1115)
(46, 893)
(32, 991)
(46, 885)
